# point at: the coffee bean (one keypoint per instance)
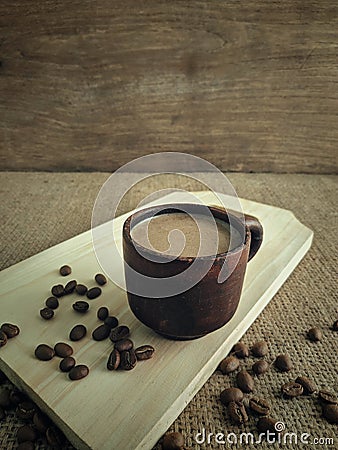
(2, 413)
(173, 441)
(77, 332)
(128, 359)
(241, 350)
(81, 289)
(65, 270)
(3, 338)
(283, 363)
(80, 306)
(94, 293)
(58, 290)
(55, 438)
(260, 367)
(114, 360)
(16, 397)
(52, 303)
(26, 446)
(266, 423)
(327, 397)
(231, 395)
(26, 433)
(70, 286)
(237, 412)
(66, 364)
(111, 321)
(292, 389)
(259, 406)
(101, 332)
(143, 352)
(123, 345)
(41, 422)
(245, 381)
(10, 330)
(119, 333)
(26, 410)
(100, 279)
(63, 350)
(229, 364)
(46, 313)
(103, 313)
(44, 352)
(78, 372)
(309, 386)
(315, 334)
(260, 349)
(330, 412)
(5, 401)
(335, 325)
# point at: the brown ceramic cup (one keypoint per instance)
(206, 306)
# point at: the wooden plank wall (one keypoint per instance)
(91, 85)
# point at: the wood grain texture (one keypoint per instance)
(92, 85)
(129, 410)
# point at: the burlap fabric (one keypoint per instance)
(39, 210)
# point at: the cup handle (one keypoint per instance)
(256, 231)
(255, 227)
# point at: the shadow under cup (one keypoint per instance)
(207, 305)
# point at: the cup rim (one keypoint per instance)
(147, 212)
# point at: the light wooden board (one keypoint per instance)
(129, 410)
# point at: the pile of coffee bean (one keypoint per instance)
(329, 403)
(36, 426)
(123, 356)
(239, 407)
(233, 398)
(44, 352)
(8, 331)
(59, 290)
(304, 386)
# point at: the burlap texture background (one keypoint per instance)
(39, 210)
